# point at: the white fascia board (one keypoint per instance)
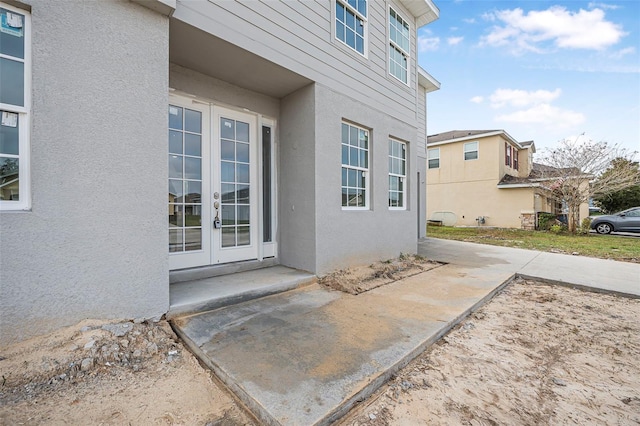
(164, 7)
(427, 81)
(424, 11)
(518, 185)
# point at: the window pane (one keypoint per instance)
(11, 82)
(340, 31)
(229, 236)
(192, 168)
(175, 142)
(193, 192)
(243, 173)
(175, 240)
(339, 11)
(9, 182)
(243, 236)
(175, 216)
(353, 178)
(361, 179)
(243, 215)
(350, 38)
(363, 159)
(193, 239)
(192, 121)
(192, 144)
(345, 134)
(344, 197)
(393, 183)
(228, 149)
(228, 215)
(345, 154)
(175, 166)
(228, 193)
(227, 129)
(242, 194)
(175, 191)
(353, 157)
(175, 117)
(353, 136)
(344, 177)
(12, 38)
(228, 171)
(192, 215)
(9, 136)
(243, 152)
(471, 155)
(242, 131)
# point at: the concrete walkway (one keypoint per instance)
(305, 356)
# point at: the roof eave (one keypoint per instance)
(427, 81)
(425, 11)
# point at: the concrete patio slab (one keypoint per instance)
(304, 357)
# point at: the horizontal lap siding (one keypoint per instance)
(299, 36)
(422, 121)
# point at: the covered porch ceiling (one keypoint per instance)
(195, 49)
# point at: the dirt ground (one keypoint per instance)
(363, 278)
(536, 354)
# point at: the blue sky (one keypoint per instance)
(540, 70)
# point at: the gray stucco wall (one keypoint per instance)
(346, 237)
(297, 176)
(94, 243)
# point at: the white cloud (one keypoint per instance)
(623, 52)
(544, 114)
(522, 98)
(605, 6)
(426, 43)
(536, 31)
(469, 20)
(452, 41)
(477, 99)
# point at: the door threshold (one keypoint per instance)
(209, 271)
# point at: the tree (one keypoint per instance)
(577, 172)
(623, 199)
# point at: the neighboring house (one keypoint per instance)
(487, 178)
(286, 133)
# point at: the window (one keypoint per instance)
(399, 47)
(515, 159)
(355, 167)
(507, 154)
(434, 158)
(471, 150)
(351, 21)
(15, 68)
(397, 174)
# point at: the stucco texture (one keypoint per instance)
(94, 243)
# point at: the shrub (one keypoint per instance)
(558, 229)
(545, 221)
(585, 226)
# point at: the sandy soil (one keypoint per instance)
(98, 373)
(363, 278)
(536, 354)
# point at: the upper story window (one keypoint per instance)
(15, 69)
(397, 175)
(399, 47)
(351, 23)
(507, 154)
(515, 159)
(434, 158)
(355, 167)
(471, 150)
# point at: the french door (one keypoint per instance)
(213, 184)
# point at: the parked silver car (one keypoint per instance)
(624, 221)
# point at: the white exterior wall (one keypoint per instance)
(92, 244)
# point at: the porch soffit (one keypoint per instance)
(200, 51)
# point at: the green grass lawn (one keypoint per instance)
(602, 246)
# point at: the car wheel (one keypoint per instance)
(604, 228)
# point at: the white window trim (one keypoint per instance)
(392, 43)
(365, 42)
(367, 180)
(429, 151)
(402, 177)
(24, 120)
(477, 150)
